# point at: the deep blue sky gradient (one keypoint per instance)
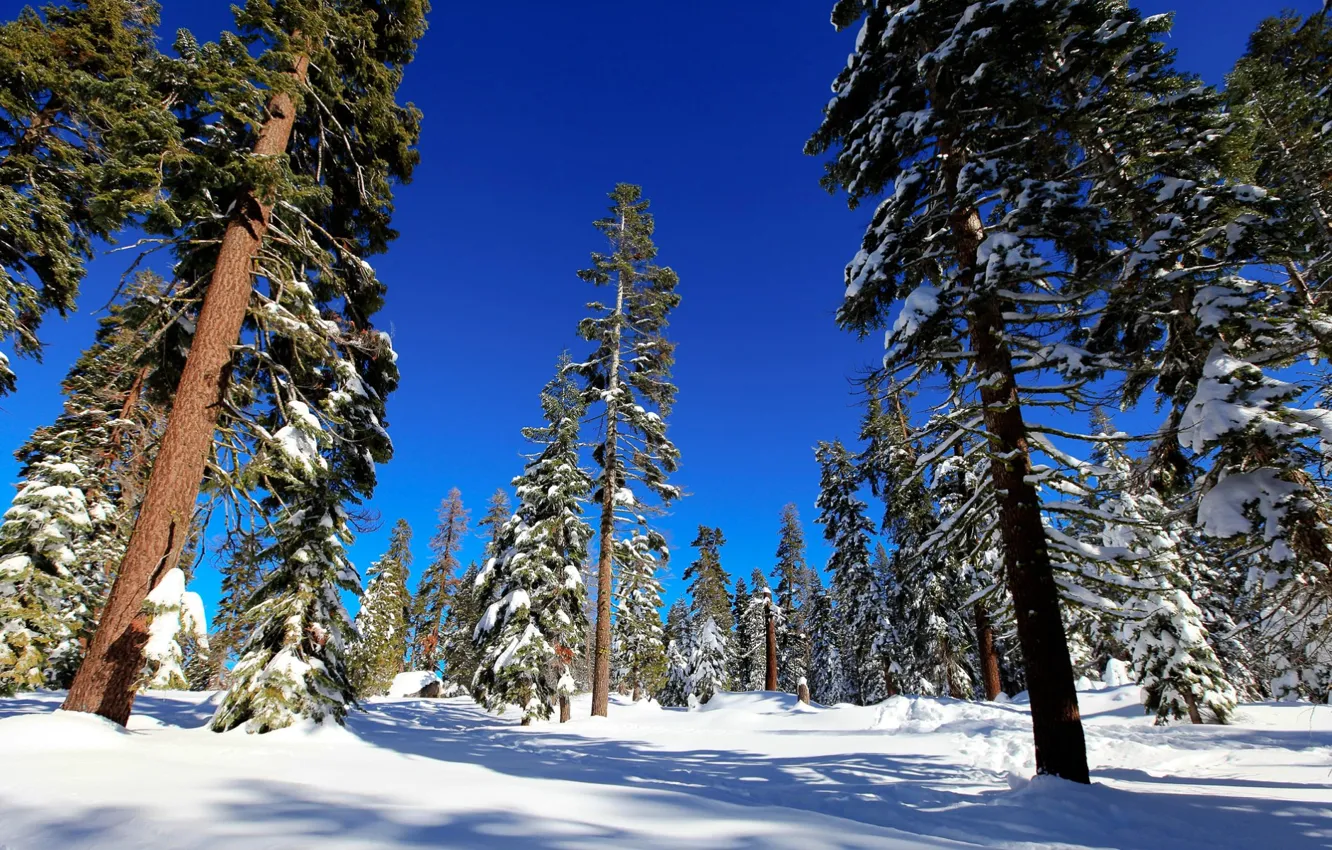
(533, 111)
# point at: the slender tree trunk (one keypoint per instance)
(1195, 716)
(889, 680)
(1061, 748)
(609, 484)
(989, 656)
(770, 681)
(108, 678)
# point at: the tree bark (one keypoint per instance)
(1061, 748)
(107, 680)
(889, 679)
(609, 484)
(565, 711)
(802, 690)
(770, 680)
(989, 656)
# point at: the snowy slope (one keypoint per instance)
(745, 771)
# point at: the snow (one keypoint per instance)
(745, 770)
(411, 683)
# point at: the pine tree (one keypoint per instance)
(294, 141)
(749, 647)
(792, 577)
(827, 673)
(47, 599)
(859, 599)
(628, 377)
(82, 133)
(382, 623)
(242, 576)
(708, 588)
(676, 690)
(1279, 91)
(498, 512)
(708, 661)
(533, 626)
(458, 650)
(677, 622)
(995, 233)
(100, 445)
(436, 587)
(741, 640)
(640, 652)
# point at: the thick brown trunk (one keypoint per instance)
(989, 656)
(1061, 748)
(565, 710)
(802, 690)
(106, 682)
(770, 680)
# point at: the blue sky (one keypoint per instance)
(533, 111)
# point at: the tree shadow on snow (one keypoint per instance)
(916, 794)
(286, 815)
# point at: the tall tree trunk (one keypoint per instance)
(989, 656)
(106, 682)
(609, 484)
(1061, 749)
(770, 680)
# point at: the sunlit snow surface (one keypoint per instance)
(745, 771)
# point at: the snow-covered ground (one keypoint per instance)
(745, 771)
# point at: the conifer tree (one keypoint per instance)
(437, 586)
(1280, 92)
(242, 576)
(995, 232)
(741, 642)
(459, 651)
(827, 673)
(628, 383)
(793, 579)
(859, 599)
(498, 512)
(676, 690)
(640, 651)
(677, 628)
(708, 588)
(708, 662)
(100, 446)
(382, 623)
(295, 126)
(533, 625)
(81, 136)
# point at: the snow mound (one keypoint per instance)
(751, 702)
(60, 730)
(409, 684)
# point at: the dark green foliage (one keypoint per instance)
(709, 585)
(858, 598)
(795, 584)
(100, 448)
(438, 584)
(532, 587)
(382, 624)
(81, 134)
